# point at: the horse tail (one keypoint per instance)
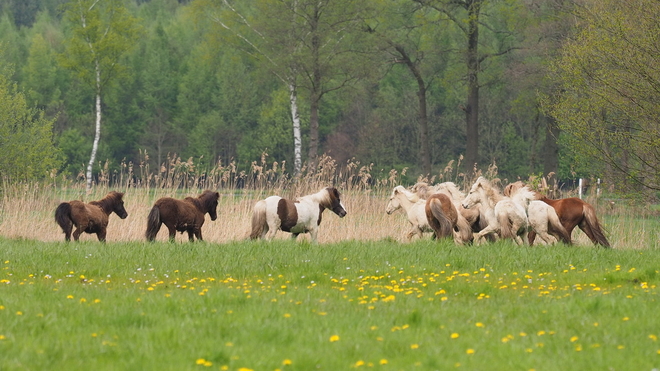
(555, 226)
(506, 227)
(437, 219)
(590, 224)
(259, 224)
(153, 223)
(63, 219)
(464, 229)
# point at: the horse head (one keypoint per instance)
(335, 202)
(118, 204)
(209, 200)
(395, 203)
(477, 193)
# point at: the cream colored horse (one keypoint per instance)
(414, 208)
(423, 190)
(542, 217)
(505, 217)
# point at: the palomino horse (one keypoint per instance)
(91, 217)
(472, 215)
(185, 215)
(543, 219)
(572, 212)
(414, 208)
(504, 217)
(445, 220)
(300, 216)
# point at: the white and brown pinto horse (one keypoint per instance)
(504, 217)
(300, 216)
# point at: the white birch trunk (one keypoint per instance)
(97, 136)
(297, 138)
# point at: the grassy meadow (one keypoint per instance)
(363, 298)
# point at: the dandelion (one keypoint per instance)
(200, 361)
(653, 337)
(383, 361)
(334, 338)
(287, 362)
(455, 335)
(414, 346)
(625, 318)
(359, 363)
(2, 337)
(469, 351)
(69, 296)
(479, 324)
(574, 339)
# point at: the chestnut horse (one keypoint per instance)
(185, 215)
(89, 217)
(572, 212)
(445, 220)
(300, 216)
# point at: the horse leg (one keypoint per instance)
(313, 234)
(294, 235)
(101, 234)
(191, 235)
(77, 233)
(198, 234)
(172, 232)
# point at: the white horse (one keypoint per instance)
(504, 217)
(300, 216)
(414, 207)
(542, 217)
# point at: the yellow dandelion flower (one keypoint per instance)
(359, 363)
(414, 346)
(625, 318)
(653, 337)
(200, 361)
(455, 335)
(469, 351)
(69, 296)
(574, 339)
(384, 361)
(479, 324)
(334, 338)
(208, 364)
(287, 362)
(2, 337)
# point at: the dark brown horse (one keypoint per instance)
(185, 215)
(572, 212)
(445, 220)
(91, 217)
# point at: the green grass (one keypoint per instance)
(280, 305)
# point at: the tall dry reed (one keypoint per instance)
(27, 209)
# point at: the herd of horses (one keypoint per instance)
(485, 213)
(517, 213)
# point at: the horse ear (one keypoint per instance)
(217, 195)
(335, 192)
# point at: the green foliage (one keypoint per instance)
(608, 95)
(26, 138)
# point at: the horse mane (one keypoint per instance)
(412, 197)
(204, 201)
(523, 195)
(323, 197)
(107, 203)
(492, 194)
(514, 187)
(452, 189)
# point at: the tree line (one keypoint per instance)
(534, 87)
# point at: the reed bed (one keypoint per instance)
(27, 209)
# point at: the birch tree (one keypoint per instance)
(102, 31)
(303, 42)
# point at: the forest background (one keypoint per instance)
(535, 87)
